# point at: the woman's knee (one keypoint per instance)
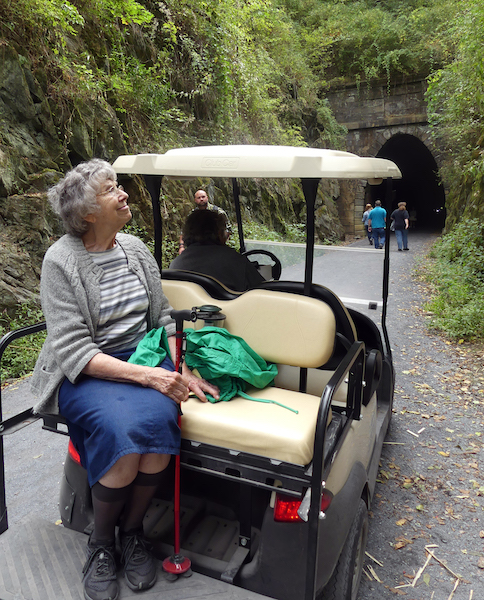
(154, 463)
(123, 472)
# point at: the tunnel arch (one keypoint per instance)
(420, 186)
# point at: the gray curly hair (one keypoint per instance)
(75, 196)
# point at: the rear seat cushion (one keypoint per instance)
(258, 428)
(281, 327)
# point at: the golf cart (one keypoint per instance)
(276, 486)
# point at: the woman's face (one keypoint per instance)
(113, 204)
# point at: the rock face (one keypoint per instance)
(33, 155)
(28, 141)
(37, 147)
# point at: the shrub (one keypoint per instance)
(456, 273)
(20, 356)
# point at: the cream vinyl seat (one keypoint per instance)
(287, 329)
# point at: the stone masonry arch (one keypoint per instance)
(390, 122)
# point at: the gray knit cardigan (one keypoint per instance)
(71, 299)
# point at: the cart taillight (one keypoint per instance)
(73, 453)
(286, 507)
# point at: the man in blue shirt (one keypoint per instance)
(376, 221)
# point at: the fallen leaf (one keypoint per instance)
(397, 591)
(401, 542)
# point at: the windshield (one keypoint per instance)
(354, 272)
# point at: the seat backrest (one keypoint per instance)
(281, 327)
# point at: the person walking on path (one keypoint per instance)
(364, 220)
(202, 203)
(400, 219)
(376, 224)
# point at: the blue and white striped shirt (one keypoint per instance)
(124, 302)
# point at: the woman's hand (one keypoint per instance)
(199, 386)
(178, 386)
(170, 383)
(194, 384)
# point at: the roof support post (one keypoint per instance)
(153, 183)
(386, 263)
(310, 189)
(238, 213)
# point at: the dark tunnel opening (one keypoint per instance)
(420, 186)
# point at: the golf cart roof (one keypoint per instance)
(258, 161)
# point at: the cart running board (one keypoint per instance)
(44, 561)
(235, 564)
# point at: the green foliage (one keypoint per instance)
(369, 39)
(456, 113)
(51, 14)
(294, 233)
(456, 274)
(20, 356)
(176, 71)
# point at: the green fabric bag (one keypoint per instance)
(221, 358)
(152, 349)
(227, 361)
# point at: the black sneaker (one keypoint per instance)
(139, 564)
(100, 573)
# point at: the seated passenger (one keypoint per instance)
(101, 292)
(204, 235)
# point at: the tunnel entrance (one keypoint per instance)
(420, 186)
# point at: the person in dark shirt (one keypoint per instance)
(202, 203)
(204, 234)
(400, 218)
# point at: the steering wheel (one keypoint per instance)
(276, 268)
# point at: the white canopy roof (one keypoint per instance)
(258, 161)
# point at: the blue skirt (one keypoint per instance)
(109, 419)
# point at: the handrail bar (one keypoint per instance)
(5, 341)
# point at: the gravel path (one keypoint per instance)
(430, 491)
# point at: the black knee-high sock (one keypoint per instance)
(142, 492)
(108, 504)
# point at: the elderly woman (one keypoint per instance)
(101, 293)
